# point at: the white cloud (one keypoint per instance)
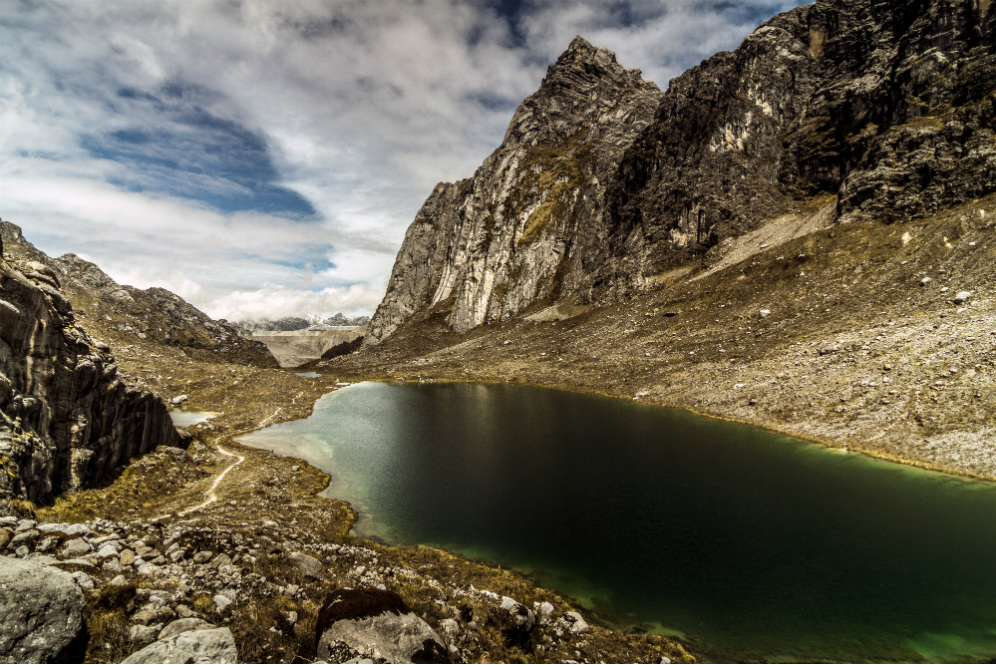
(274, 302)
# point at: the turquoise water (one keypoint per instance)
(752, 545)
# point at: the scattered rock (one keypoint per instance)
(764, 313)
(76, 548)
(962, 296)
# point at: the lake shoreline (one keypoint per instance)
(701, 645)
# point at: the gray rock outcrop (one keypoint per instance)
(41, 614)
(520, 230)
(873, 110)
(66, 419)
(374, 624)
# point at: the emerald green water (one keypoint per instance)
(751, 545)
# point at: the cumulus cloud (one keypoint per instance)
(218, 147)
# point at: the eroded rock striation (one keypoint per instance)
(878, 111)
(66, 419)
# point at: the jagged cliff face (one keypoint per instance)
(521, 229)
(66, 419)
(603, 183)
(887, 105)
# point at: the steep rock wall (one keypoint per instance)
(887, 104)
(520, 230)
(66, 419)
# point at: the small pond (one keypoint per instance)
(750, 544)
(310, 375)
(185, 416)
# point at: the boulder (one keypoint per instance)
(374, 624)
(41, 614)
(204, 645)
(306, 564)
(575, 623)
(515, 620)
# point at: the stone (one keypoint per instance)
(83, 580)
(180, 399)
(41, 614)
(203, 556)
(516, 621)
(374, 624)
(182, 626)
(139, 634)
(962, 296)
(127, 557)
(65, 531)
(220, 560)
(107, 551)
(214, 645)
(149, 616)
(925, 281)
(76, 548)
(118, 581)
(544, 609)
(305, 564)
(222, 603)
(26, 537)
(5, 537)
(764, 313)
(576, 623)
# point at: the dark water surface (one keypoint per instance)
(753, 545)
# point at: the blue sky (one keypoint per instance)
(264, 158)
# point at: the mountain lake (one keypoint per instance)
(748, 544)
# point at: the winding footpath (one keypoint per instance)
(211, 496)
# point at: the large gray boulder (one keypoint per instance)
(41, 614)
(200, 645)
(374, 624)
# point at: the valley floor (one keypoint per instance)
(878, 338)
(197, 539)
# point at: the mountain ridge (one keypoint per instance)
(886, 105)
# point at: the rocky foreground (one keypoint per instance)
(237, 580)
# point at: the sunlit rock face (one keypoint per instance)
(66, 419)
(603, 183)
(520, 230)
